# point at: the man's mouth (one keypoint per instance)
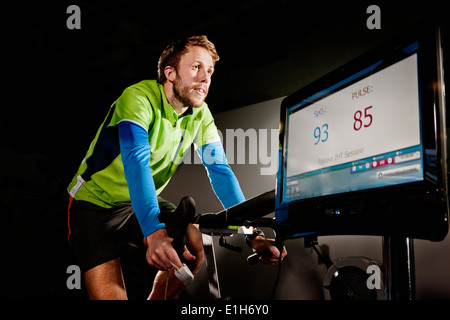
(200, 91)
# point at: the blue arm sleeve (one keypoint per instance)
(223, 180)
(135, 153)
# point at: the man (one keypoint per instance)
(134, 153)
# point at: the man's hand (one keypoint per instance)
(160, 251)
(260, 244)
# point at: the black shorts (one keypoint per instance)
(99, 235)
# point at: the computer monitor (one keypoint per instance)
(363, 149)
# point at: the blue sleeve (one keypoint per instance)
(223, 180)
(135, 153)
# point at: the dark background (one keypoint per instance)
(57, 85)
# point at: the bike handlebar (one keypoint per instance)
(240, 214)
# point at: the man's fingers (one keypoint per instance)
(273, 255)
(162, 255)
(164, 262)
(187, 255)
(172, 257)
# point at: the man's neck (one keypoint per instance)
(179, 109)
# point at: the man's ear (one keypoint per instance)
(170, 73)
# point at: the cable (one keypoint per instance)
(277, 279)
(278, 273)
(167, 284)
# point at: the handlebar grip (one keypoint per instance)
(177, 222)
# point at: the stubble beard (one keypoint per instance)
(182, 94)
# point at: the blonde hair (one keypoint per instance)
(172, 53)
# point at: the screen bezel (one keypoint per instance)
(415, 209)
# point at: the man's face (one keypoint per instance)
(193, 77)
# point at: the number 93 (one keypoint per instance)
(321, 134)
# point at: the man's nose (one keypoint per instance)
(204, 76)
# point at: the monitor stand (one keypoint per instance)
(399, 271)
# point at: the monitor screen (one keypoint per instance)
(363, 149)
(356, 134)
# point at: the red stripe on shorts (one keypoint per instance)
(68, 218)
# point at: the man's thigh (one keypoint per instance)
(95, 232)
(105, 281)
(109, 246)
